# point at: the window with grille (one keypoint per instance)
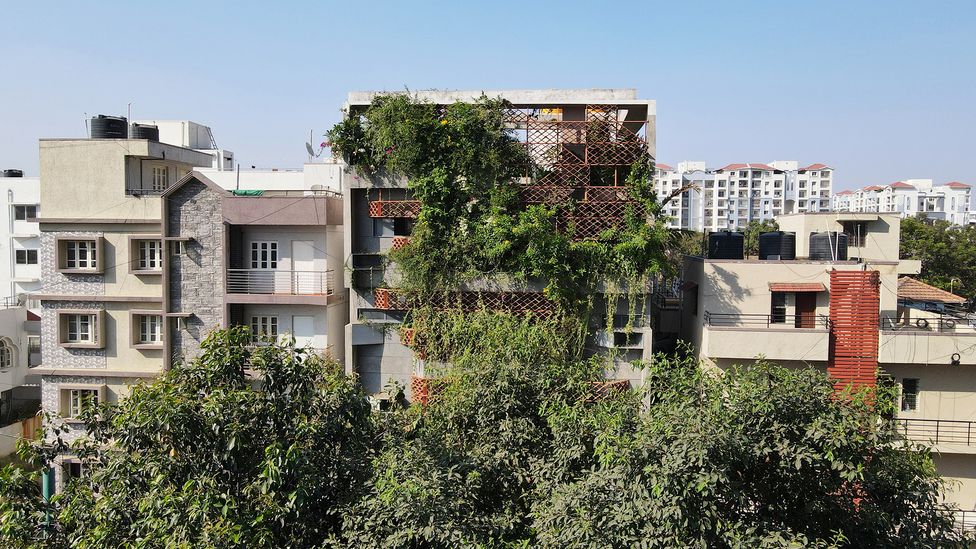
(80, 328)
(6, 356)
(777, 307)
(160, 178)
(25, 212)
(80, 254)
(150, 255)
(150, 329)
(26, 257)
(264, 255)
(909, 395)
(264, 329)
(80, 401)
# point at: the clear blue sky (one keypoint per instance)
(880, 90)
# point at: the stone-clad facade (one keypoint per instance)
(196, 278)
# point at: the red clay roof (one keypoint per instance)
(846, 192)
(662, 166)
(32, 316)
(797, 287)
(873, 188)
(901, 185)
(764, 167)
(816, 167)
(916, 290)
(957, 185)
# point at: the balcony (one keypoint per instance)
(940, 340)
(775, 336)
(937, 431)
(258, 285)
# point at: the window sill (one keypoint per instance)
(71, 345)
(80, 271)
(147, 272)
(148, 346)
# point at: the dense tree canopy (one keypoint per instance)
(947, 252)
(515, 451)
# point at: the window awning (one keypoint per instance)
(797, 287)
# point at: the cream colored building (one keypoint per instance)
(101, 258)
(737, 310)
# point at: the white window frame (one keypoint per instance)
(150, 329)
(79, 399)
(26, 253)
(83, 326)
(77, 249)
(264, 254)
(150, 255)
(159, 178)
(264, 328)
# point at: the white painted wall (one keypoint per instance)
(18, 235)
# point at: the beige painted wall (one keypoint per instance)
(119, 354)
(85, 178)
(881, 240)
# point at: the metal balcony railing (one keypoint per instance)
(941, 323)
(936, 431)
(275, 281)
(740, 320)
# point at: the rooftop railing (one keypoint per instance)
(741, 320)
(940, 323)
(277, 281)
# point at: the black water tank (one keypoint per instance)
(777, 245)
(144, 131)
(824, 246)
(109, 127)
(726, 245)
(13, 173)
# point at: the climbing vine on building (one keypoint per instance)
(467, 168)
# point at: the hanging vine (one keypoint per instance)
(464, 164)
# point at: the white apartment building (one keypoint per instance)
(909, 198)
(20, 273)
(730, 197)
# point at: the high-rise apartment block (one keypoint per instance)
(730, 197)
(950, 202)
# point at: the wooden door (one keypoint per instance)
(806, 310)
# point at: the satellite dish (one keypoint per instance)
(311, 151)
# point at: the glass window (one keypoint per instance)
(25, 212)
(150, 255)
(150, 329)
(26, 257)
(909, 395)
(80, 328)
(80, 400)
(80, 254)
(264, 329)
(6, 356)
(778, 308)
(264, 255)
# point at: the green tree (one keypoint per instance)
(947, 253)
(199, 458)
(752, 232)
(757, 457)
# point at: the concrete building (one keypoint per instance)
(271, 261)
(379, 214)
(732, 196)
(142, 257)
(191, 135)
(20, 274)
(793, 313)
(950, 202)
